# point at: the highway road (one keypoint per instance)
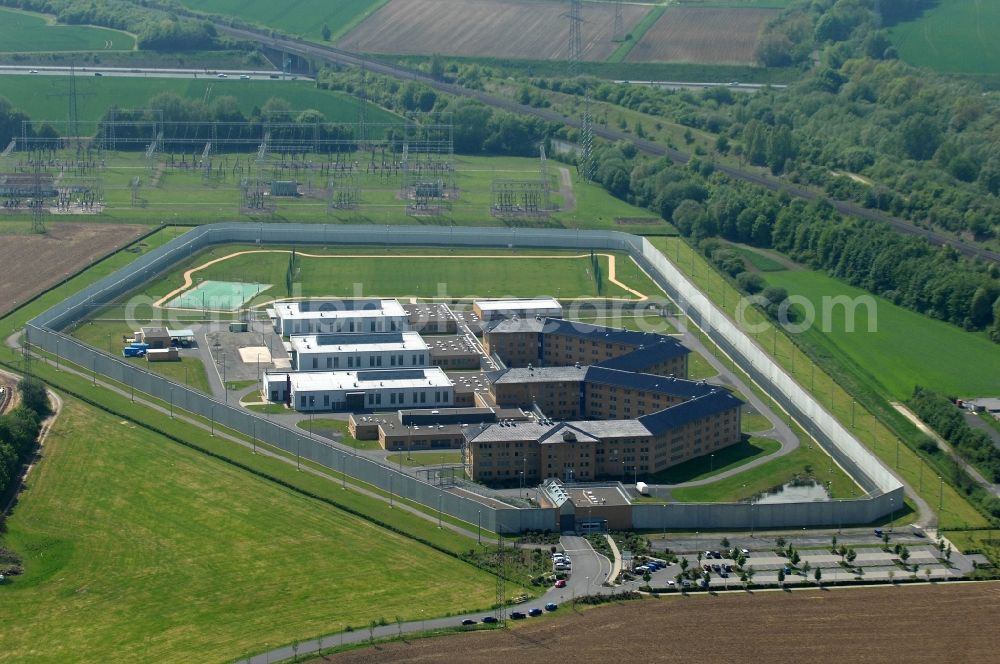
(333, 55)
(146, 72)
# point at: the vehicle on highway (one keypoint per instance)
(535, 612)
(222, 76)
(551, 606)
(469, 621)
(518, 615)
(489, 620)
(273, 76)
(97, 73)
(244, 77)
(33, 71)
(561, 583)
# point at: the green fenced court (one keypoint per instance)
(218, 295)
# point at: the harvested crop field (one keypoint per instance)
(534, 29)
(906, 623)
(32, 263)
(707, 36)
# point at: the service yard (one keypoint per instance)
(710, 36)
(489, 28)
(912, 623)
(33, 263)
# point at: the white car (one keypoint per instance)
(244, 77)
(221, 76)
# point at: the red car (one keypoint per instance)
(561, 583)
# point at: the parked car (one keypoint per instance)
(727, 567)
(641, 569)
(560, 567)
(489, 620)
(724, 574)
(468, 621)
(878, 532)
(535, 612)
(518, 615)
(745, 552)
(717, 555)
(561, 583)
(551, 606)
(787, 570)
(706, 567)
(716, 567)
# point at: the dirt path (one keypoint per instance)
(777, 257)
(946, 448)
(189, 281)
(566, 190)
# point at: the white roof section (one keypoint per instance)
(543, 303)
(308, 381)
(334, 309)
(356, 342)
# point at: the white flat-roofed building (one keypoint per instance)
(333, 316)
(383, 389)
(544, 307)
(365, 350)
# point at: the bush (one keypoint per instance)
(750, 282)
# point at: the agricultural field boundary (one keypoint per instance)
(884, 489)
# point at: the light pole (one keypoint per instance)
(213, 421)
(520, 493)
(171, 403)
(225, 385)
(253, 425)
(940, 494)
(298, 453)
(892, 513)
(479, 525)
(711, 463)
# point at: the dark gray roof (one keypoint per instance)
(648, 382)
(645, 357)
(358, 338)
(539, 375)
(716, 401)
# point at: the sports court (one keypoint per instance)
(218, 295)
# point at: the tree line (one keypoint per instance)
(973, 445)
(19, 431)
(154, 30)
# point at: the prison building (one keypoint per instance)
(489, 310)
(581, 392)
(332, 316)
(358, 350)
(379, 389)
(622, 449)
(426, 428)
(454, 353)
(431, 318)
(551, 342)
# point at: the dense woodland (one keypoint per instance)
(19, 431)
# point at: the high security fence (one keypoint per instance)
(884, 491)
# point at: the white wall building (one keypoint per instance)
(384, 389)
(332, 316)
(545, 307)
(366, 350)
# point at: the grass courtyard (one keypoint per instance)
(133, 544)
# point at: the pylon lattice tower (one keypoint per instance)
(575, 36)
(619, 30)
(587, 166)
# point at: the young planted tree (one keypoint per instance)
(819, 575)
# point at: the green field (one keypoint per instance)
(725, 459)
(323, 427)
(417, 459)
(139, 549)
(736, 4)
(33, 95)
(304, 18)
(403, 273)
(952, 36)
(27, 32)
(907, 349)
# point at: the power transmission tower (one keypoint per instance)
(37, 200)
(362, 106)
(501, 612)
(619, 31)
(73, 94)
(587, 166)
(575, 36)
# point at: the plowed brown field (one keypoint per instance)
(31, 263)
(533, 29)
(709, 36)
(908, 623)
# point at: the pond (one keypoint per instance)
(796, 491)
